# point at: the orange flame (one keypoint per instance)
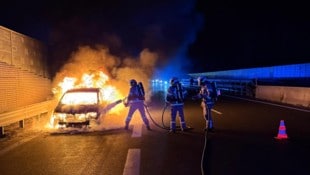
(96, 79)
(87, 80)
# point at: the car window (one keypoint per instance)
(83, 98)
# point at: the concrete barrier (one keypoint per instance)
(298, 96)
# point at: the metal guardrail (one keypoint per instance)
(229, 86)
(237, 87)
(26, 112)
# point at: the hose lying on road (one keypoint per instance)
(162, 126)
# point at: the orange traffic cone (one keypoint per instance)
(282, 131)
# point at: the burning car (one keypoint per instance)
(77, 107)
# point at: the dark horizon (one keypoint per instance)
(207, 35)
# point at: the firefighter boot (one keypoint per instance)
(126, 126)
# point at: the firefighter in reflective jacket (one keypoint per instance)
(135, 101)
(175, 98)
(206, 94)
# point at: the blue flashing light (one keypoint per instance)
(283, 71)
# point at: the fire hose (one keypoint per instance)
(162, 126)
(154, 122)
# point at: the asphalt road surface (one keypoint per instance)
(243, 143)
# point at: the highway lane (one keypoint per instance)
(244, 140)
(243, 143)
(107, 151)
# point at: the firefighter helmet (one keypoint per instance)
(133, 82)
(174, 81)
(202, 80)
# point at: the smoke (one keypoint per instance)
(164, 28)
(125, 40)
(120, 71)
(90, 60)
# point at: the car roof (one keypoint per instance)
(84, 90)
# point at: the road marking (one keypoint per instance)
(137, 130)
(218, 112)
(270, 103)
(132, 165)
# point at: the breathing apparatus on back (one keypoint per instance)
(175, 92)
(203, 81)
(179, 92)
(140, 94)
(136, 92)
(141, 90)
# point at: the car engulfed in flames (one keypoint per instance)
(78, 107)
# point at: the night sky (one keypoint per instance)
(205, 35)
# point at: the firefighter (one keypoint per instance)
(175, 98)
(135, 101)
(208, 96)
